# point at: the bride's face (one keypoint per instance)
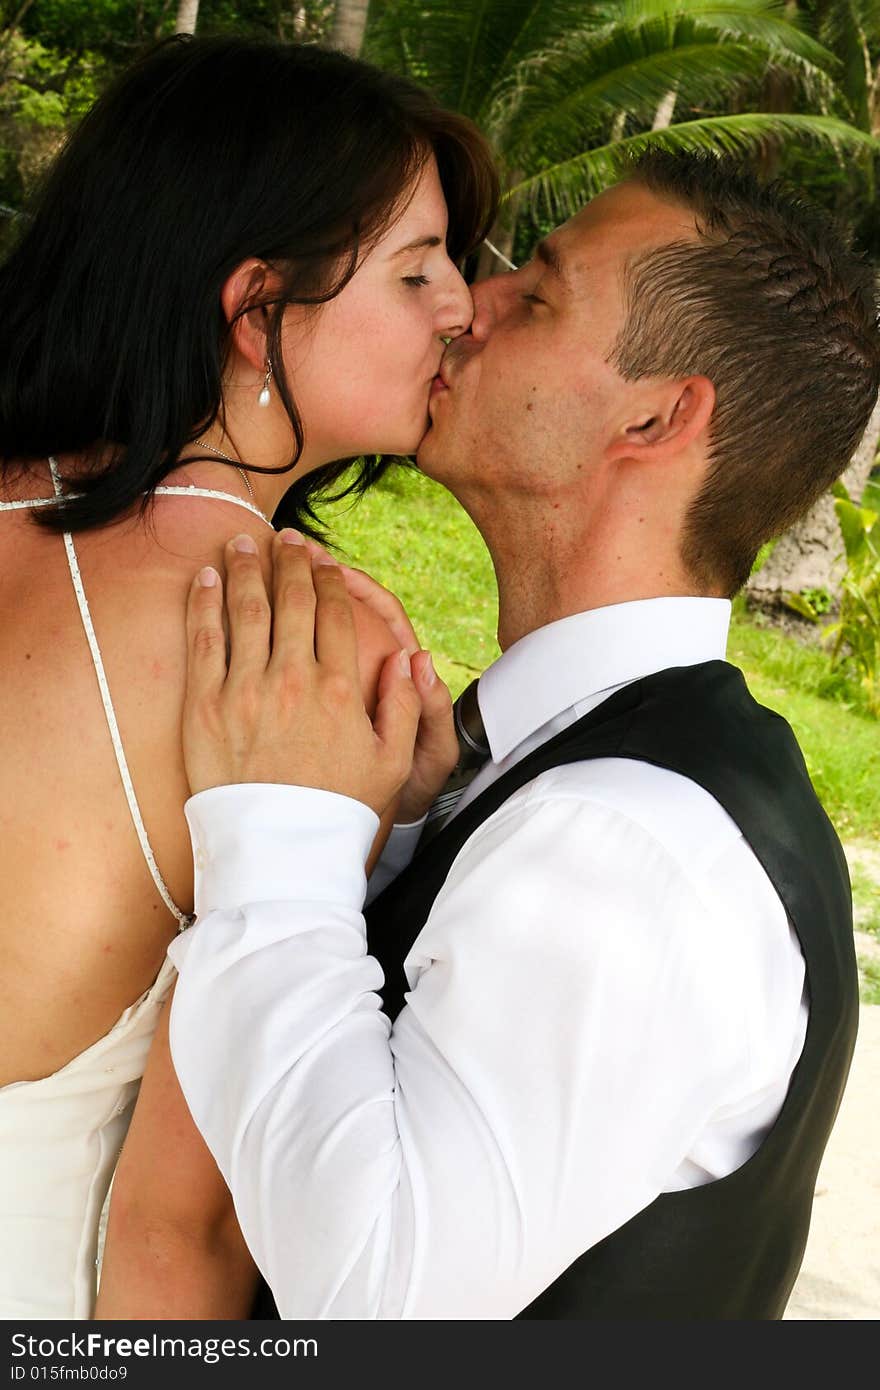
(361, 368)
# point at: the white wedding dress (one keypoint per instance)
(60, 1136)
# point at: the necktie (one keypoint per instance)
(473, 751)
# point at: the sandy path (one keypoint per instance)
(840, 1277)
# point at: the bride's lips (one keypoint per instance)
(438, 385)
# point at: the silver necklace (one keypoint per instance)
(239, 470)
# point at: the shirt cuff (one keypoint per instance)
(399, 850)
(412, 827)
(260, 842)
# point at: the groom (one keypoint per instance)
(620, 976)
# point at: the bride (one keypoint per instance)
(238, 273)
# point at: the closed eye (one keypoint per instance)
(416, 280)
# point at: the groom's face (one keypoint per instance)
(531, 397)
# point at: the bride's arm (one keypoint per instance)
(173, 1246)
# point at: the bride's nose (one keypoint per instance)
(484, 309)
(459, 310)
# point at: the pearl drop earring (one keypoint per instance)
(264, 397)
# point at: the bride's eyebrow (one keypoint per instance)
(418, 245)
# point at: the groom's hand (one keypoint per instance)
(287, 704)
(436, 749)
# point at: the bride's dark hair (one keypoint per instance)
(203, 154)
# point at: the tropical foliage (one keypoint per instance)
(565, 89)
(856, 633)
(57, 55)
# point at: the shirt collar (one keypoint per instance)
(587, 654)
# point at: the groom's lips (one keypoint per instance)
(443, 380)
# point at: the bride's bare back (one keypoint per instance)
(83, 928)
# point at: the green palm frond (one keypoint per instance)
(838, 19)
(562, 188)
(472, 53)
(851, 29)
(549, 80)
(461, 48)
(569, 103)
(766, 22)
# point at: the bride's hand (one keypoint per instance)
(436, 748)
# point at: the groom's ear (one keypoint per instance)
(671, 416)
(249, 281)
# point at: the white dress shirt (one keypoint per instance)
(606, 1003)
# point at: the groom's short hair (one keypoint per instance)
(771, 305)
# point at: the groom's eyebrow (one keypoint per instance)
(418, 245)
(548, 255)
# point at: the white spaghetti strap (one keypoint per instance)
(109, 711)
(28, 502)
(193, 491)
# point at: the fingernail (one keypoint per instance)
(291, 537)
(208, 577)
(403, 658)
(326, 560)
(428, 672)
(246, 544)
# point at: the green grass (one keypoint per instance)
(866, 899)
(869, 981)
(840, 740)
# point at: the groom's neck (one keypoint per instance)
(541, 582)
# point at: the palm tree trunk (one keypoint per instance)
(16, 17)
(777, 95)
(665, 111)
(187, 16)
(874, 103)
(348, 26)
(8, 30)
(808, 556)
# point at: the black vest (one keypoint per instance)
(732, 1248)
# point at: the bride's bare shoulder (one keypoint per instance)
(144, 569)
(183, 529)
